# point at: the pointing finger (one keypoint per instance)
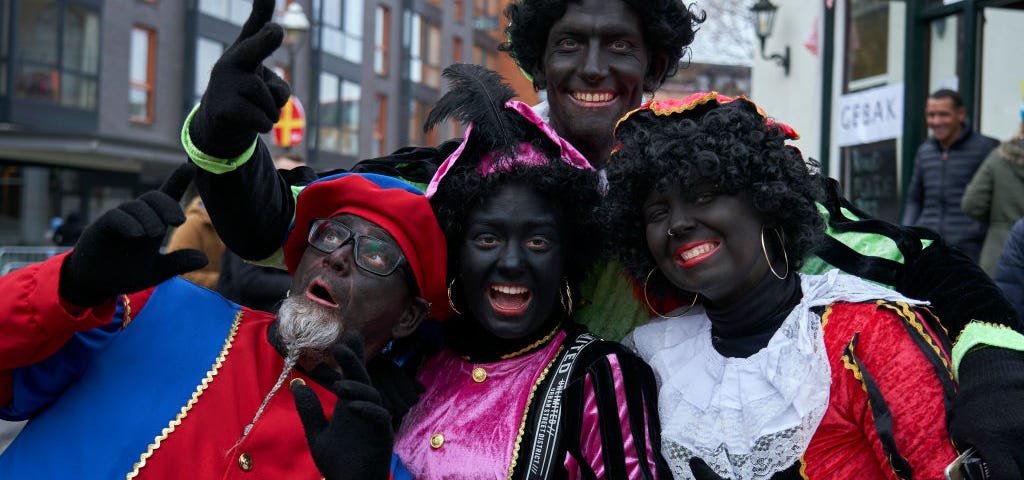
(261, 14)
(249, 53)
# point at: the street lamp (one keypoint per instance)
(295, 24)
(764, 22)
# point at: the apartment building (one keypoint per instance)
(93, 92)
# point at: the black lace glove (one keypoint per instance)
(988, 410)
(120, 251)
(357, 442)
(243, 97)
(399, 389)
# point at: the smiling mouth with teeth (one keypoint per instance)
(319, 293)
(696, 252)
(593, 97)
(687, 257)
(509, 300)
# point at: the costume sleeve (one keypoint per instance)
(959, 290)
(253, 205)
(915, 193)
(890, 383)
(45, 345)
(614, 430)
(34, 320)
(977, 199)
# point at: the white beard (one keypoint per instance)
(306, 328)
(308, 331)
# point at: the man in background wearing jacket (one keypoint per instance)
(943, 166)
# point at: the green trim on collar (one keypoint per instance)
(208, 162)
(867, 244)
(980, 334)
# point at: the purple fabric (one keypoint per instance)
(480, 421)
(526, 155)
(590, 437)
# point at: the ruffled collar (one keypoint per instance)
(746, 417)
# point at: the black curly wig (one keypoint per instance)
(729, 145)
(668, 26)
(572, 191)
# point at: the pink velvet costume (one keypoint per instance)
(470, 423)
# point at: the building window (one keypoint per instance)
(456, 50)
(459, 11)
(417, 118)
(423, 42)
(142, 72)
(485, 14)
(343, 29)
(233, 11)
(867, 44)
(339, 115)
(480, 57)
(207, 53)
(382, 40)
(432, 67)
(59, 53)
(380, 130)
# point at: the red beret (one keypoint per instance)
(395, 206)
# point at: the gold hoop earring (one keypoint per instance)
(785, 256)
(563, 297)
(651, 307)
(451, 302)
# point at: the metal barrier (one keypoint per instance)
(13, 258)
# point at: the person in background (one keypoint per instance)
(67, 233)
(943, 166)
(764, 372)
(198, 233)
(995, 196)
(256, 286)
(1009, 272)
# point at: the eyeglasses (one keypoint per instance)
(371, 254)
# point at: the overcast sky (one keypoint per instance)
(727, 36)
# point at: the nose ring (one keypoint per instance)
(671, 234)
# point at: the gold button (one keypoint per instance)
(436, 440)
(245, 462)
(296, 381)
(479, 375)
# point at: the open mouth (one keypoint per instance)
(509, 300)
(593, 99)
(691, 254)
(319, 293)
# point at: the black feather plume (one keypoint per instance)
(477, 96)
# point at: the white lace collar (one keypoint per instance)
(746, 417)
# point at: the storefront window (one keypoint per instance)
(1001, 81)
(869, 178)
(945, 53)
(867, 44)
